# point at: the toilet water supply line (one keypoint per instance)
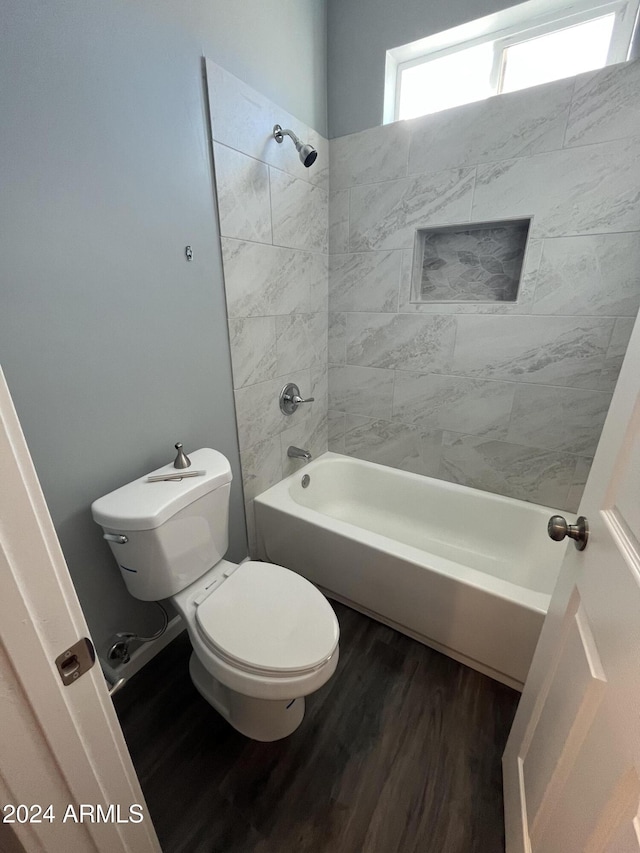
(119, 651)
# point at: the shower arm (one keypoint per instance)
(279, 134)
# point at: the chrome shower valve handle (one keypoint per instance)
(290, 399)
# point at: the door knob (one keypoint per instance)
(579, 532)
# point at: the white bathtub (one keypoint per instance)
(464, 571)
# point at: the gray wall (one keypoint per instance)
(360, 32)
(276, 46)
(507, 397)
(113, 346)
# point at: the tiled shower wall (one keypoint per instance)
(273, 217)
(506, 397)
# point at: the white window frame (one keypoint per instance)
(511, 26)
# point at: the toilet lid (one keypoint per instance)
(267, 619)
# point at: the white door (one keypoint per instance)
(60, 746)
(572, 762)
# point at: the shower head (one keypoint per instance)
(306, 152)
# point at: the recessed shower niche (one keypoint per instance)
(470, 262)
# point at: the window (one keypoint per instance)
(533, 43)
(563, 53)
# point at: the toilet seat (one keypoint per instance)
(267, 620)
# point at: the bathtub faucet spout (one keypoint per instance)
(298, 453)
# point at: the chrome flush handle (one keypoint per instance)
(118, 538)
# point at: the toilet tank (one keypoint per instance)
(175, 531)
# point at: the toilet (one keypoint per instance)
(263, 637)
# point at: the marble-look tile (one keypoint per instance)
(583, 467)
(606, 105)
(471, 406)
(242, 187)
(310, 435)
(301, 341)
(539, 476)
(261, 467)
(568, 419)
(354, 421)
(549, 350)
(338, 221)
(337, 338)
(253, 350)
(517, 124)
(364, 391)
(574, 191)
(385, 216)
(385, 442)
(299, 212)
(258, 411)
(401, 341)
(522, 305)
(366, 281)
(243, 119)
(431, 443)
(319, 377)
(616, 352)
(265, 280)
(594, 275)
(336, 428)
(313, 383)
(377, 154)
(318, 278)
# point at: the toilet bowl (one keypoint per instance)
(263, 637)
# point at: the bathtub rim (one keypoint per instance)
(278, 497)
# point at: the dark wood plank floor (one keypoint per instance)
(398, 753)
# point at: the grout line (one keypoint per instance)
(441, 313)
(475, 378)
(538, 237)
(473, 192)
(534, 286)
(296, 178)
(436, 428)
(408, 132)
(349, 218)
(270, 204)
(608, 347)
(488, 316)
(455, 339)
(320, 252)
(589, 234)
(569, 111)
(300, 176)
